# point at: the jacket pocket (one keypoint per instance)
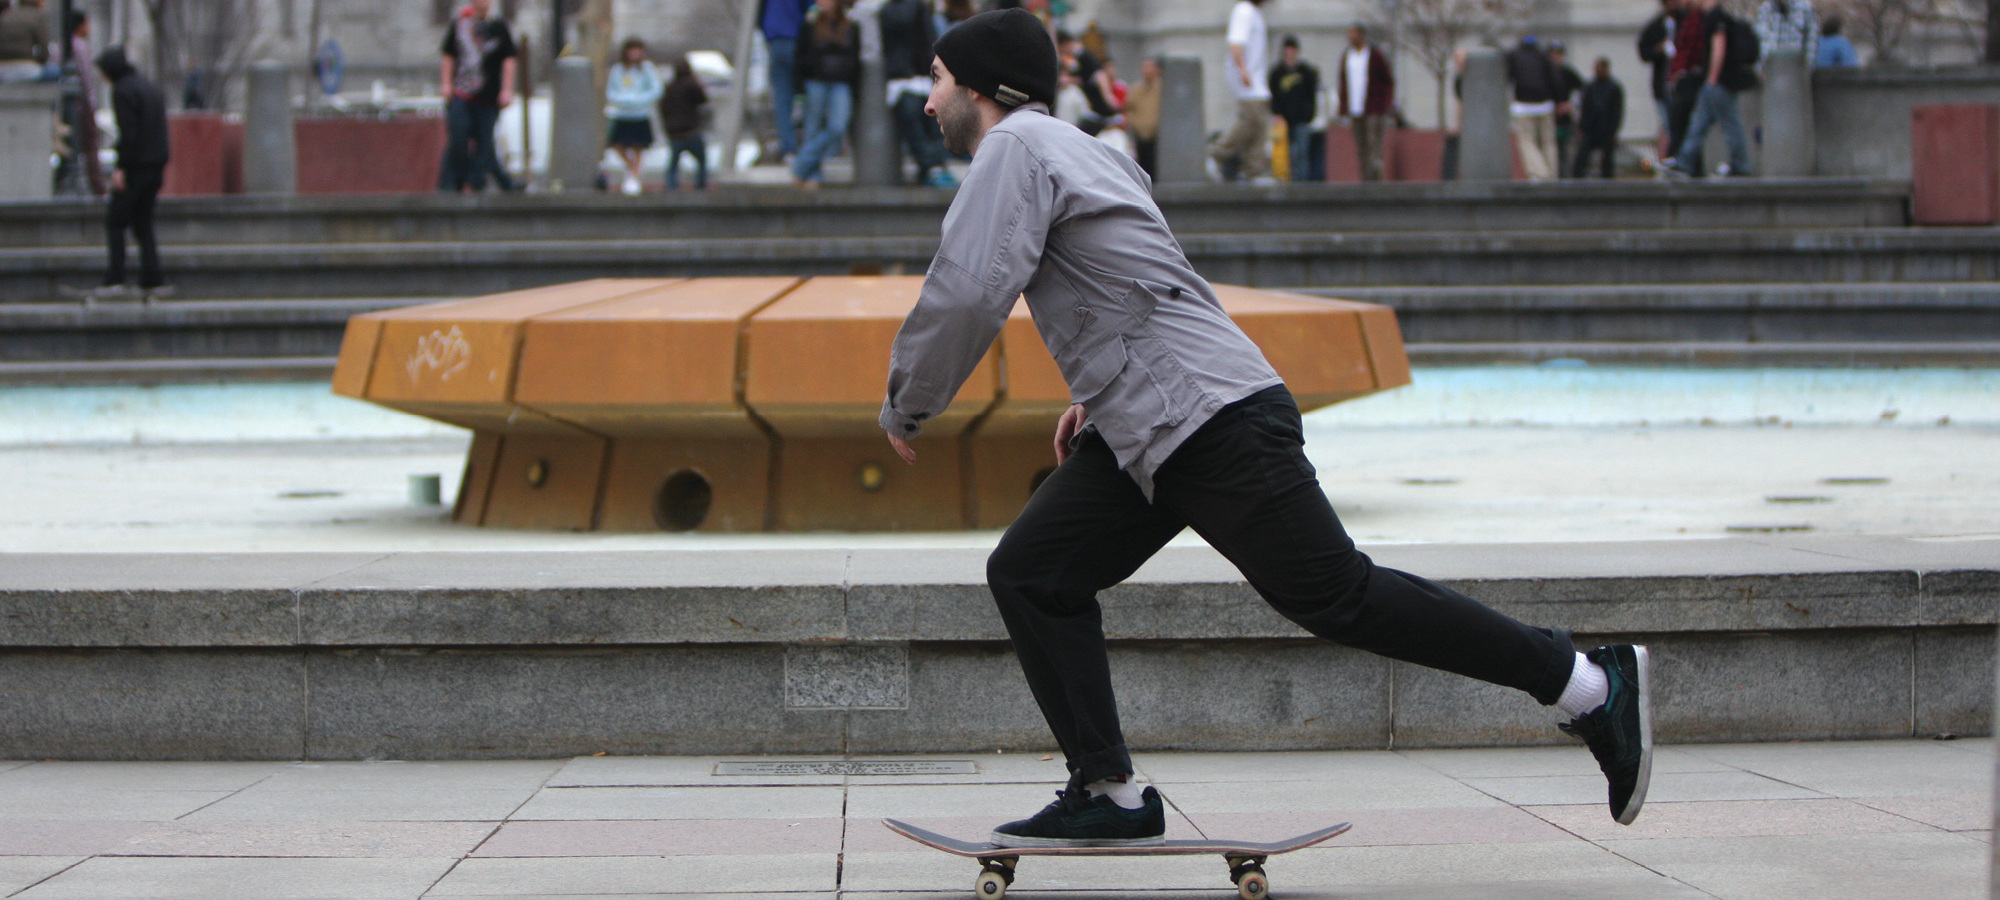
(1090, 375)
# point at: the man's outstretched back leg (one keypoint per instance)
(1244, 484)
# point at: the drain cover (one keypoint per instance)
(849, 767)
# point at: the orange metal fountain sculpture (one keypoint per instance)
(749, 404)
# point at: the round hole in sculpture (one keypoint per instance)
(871, 476)
(1035, 484)
(683, 500)
(538, 473)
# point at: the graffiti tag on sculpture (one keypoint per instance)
(444, 352)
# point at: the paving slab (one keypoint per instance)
(1454, 864)
(426, 804)
(1418, 789)
(1004, 801)
(37, 803)
(1964, 813)
(696, 771)
(17, 872)
(1730, 818)
(243, 879)
(1861, 768)
(639, 875)
(113, 775)
(28, 837)
(790, 803)
(1404, 826)
(1567, 790)
(673, 837)
(1525, 762)
(1812, 867)
(373, 840)
(384, 775)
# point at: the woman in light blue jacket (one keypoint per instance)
(634, 85)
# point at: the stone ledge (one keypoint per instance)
(652, 598)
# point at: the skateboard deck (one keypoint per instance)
(1245, 858)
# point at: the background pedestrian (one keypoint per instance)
(829, 61)
(781, 21)
(1295, 98)
(1656, 49)
(1835, 50)
(1142, 116)
(909, 28)
(630, 90)
(478, 74)
(1367, 94)
(1568, 83)
(1536, 83)
(1600, 115)
(680, 115)
(141, 112)
(1241, 152)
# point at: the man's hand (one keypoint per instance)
(903, 449)
(117, 179)
(1072, 421)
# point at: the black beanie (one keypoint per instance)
(1005, 54)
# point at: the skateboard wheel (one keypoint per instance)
(1253, 886)
(989, 886)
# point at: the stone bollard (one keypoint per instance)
(1183, 141)
(1788, 116)
(872, 137)
(270, 157)
(575, 145)
(1486, 136)
(27, 135)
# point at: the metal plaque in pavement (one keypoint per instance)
(803, 768)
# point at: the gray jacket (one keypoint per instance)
(1052, 213)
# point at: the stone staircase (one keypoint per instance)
(1819, 262)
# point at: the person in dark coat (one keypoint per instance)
(909, 28)
(141, 111)
(1600, 115)
(680, 116)
(1295, 98)
(1537, 85)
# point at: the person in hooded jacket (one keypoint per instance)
(141, 112)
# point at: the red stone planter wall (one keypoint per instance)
(369, 156)
(1955, 164)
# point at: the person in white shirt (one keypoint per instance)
(1243, 152)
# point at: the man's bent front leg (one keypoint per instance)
(1087, 528)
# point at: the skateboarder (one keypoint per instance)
(1178, 422)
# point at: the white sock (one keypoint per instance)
(1588, 688)
(1124, 793)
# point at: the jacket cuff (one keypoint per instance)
(899, 425)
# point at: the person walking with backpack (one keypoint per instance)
(1178, 421)
(477, 69)
(1729, 46)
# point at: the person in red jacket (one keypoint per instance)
(1367, 92)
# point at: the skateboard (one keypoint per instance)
(996, 864)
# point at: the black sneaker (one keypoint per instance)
(1620, 733)
(1077, 819)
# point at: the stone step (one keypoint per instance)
(1339, 261)
(909, 212)
(1725, 313)
(439, 655)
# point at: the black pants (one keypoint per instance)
(133, 208)
(1587, 144)
(469, 151)
(1243, 483)
(1681, 100)
(919, 133)
(1148, 154)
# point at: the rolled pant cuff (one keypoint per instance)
(1549, 687)
(1092, 767)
